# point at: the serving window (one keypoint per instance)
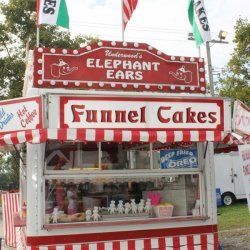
(116, 198)
(107, 181)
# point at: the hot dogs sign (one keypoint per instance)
(118, 66)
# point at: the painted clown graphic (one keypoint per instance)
(182, 74)
(61, 69)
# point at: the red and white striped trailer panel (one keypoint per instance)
(188, 238)
(190, 242)
(10, 206)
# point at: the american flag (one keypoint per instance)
(128, 7)
(10, 206)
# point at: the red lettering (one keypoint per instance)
(178, 117)
(246, 169)
(133, 116)
(23, 124)
(91, 116)
(21, 112)
(120, 116)
(212, 116)
(160, 115)
(106, 116)
(29, 118)
(143, 115)
(246, 155)
(190, 116)
(76, 112)
(201, 116)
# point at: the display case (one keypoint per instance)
(88, 182)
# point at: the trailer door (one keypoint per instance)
(224, 173)
(237, 176)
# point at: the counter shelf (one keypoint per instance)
(128, 222)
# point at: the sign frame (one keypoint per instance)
(241, 118)
(118, 66)
(179, 158)
(141, 113)
(13, 118)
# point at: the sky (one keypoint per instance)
(162, 24)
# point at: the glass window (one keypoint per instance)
(120, 156)
(125, 156)
(113, 156)
(87, 155)
(109, 198)
(71, 155)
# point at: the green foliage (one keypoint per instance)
(235, 80)
(9, 171)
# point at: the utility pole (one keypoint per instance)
(210, 69)
(222, 35)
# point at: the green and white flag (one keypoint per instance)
(53, 12)
(198, 19)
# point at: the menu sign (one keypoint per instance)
(20, 114)
(179, 158)
(118, 66)
(244, 155)
(241, 118)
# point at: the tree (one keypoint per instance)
(9, 171)
(17, 32)
(235, 80)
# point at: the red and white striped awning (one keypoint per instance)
(234, 139)
(41, 135)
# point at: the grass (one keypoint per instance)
(234, 216)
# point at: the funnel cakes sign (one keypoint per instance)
(118, 66)
(140, 113)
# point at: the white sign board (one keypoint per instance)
(141, 113)
(244, 154)
(20, 114)
(241, 118)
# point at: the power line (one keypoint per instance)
(135, 28)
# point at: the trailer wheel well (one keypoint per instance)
(228, 198)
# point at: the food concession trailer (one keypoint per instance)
(118, 149)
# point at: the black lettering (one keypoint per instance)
(48, 10)
(201, 13)
(49, 6)
(51, 3)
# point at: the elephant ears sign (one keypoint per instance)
(118, 66)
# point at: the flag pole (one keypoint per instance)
(122, 21)
(37, 23)
(37, 36)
